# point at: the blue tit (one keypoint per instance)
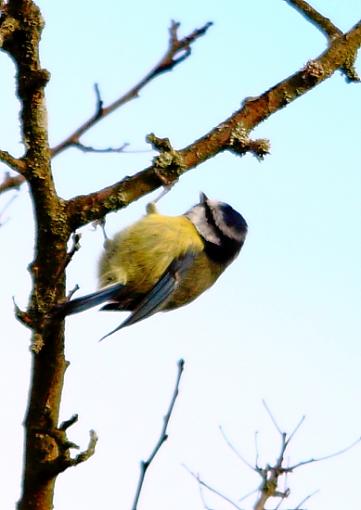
(163, 262)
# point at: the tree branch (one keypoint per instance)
(298, 507)
(45, 445)
(232, 134)
(270, 473)
(64, 460)
(89, 148)
(2, 211)
(202, 483)
(235, 451)
(326, 26)
(21, 24)
(144, 465)
(11, 182)
(178, 50)
(14, 163)
(325, 457)
(8, 25)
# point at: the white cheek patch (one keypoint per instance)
(198, 218)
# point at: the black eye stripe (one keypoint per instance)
(212, 223)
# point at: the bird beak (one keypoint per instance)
(203, 197)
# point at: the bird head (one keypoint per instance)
(220, 225)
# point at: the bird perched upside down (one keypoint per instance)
(163, 262)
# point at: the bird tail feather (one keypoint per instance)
(95, 298)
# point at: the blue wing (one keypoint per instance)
(155, 299)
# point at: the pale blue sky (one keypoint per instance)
(282, 324)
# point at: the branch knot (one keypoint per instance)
(240, 144)
(169, 163)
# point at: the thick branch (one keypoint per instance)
(42, 447)
(8, 26)
(232, 135)
(326, 26)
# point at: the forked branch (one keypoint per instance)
(326, 26)
(231, 134)
(271, 474)
(177, 51)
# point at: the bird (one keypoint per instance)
(161, 262)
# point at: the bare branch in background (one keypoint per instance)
(234, 450)
(202, 483)
(6, 206)
(11, 182)
(144, 465)
(16, 164)
(301, 503)
(325, 457)
(178, 50)
(272, 475)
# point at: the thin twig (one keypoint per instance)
(144, 465)
(178, 50)
(89, 148)
(86, 454)
(203, 499)
(212, 489)
(272, 417)
(75, 247)
(298, 507)
(68, 423)
(256, 448)
(11, 182)
(325, 457)
(234, 450)
(99, 100)
(242, 498)
(293, 433)
(8, 203)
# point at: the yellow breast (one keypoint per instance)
(140, 254)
